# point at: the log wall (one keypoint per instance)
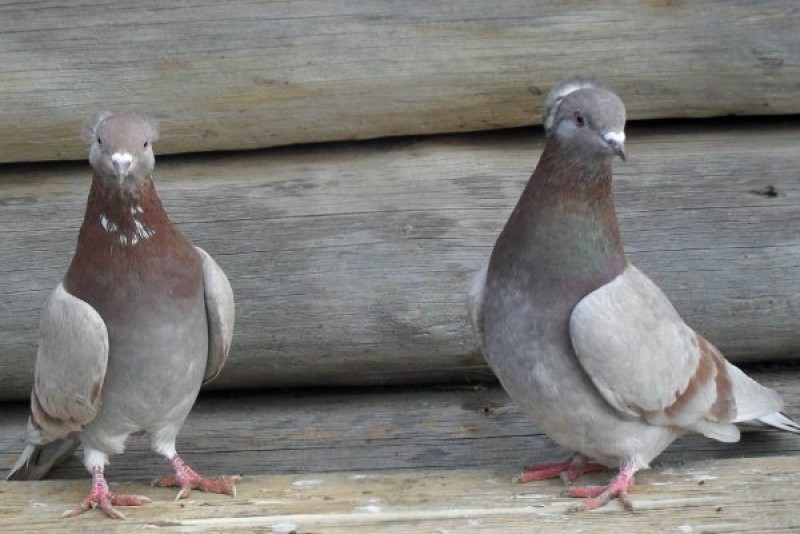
(350, 262)
(241, 74)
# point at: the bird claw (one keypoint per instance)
(191, 480)
(599, 496)
(593, 503)
(106, 502)
(568, 470)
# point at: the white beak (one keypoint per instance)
(121, 161)
(616, 141)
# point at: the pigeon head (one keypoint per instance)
(121, 147)
(586, 119)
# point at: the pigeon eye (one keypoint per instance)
(146, 144)
(580, 122)
(99, 141)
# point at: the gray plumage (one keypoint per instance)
(585, 343)
(140, 321)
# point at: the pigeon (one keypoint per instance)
(140, 320)
(586, 344)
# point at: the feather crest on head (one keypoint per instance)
(89, 130)
(558, 93)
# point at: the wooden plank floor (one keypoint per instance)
(410, 460)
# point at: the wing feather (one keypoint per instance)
(221, 313)
(70, 367)
(647, 363)
(475, 297)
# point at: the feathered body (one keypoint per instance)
(156, 320)
(585, 343)
(126, 340)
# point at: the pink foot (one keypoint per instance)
(101, 497)
(186, 479)
(599, 496)
(567, 471)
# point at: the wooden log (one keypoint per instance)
(350, 262)
(365, 430)
(243, 74)
(409, 460)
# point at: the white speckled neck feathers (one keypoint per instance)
(126, 231)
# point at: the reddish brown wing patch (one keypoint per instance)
(705, 369)
(46, 423)
(97, 391)
(724, 408)
(711, 366)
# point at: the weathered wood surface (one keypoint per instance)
(241, 74)
(350, 262)
(411, 460)
(390, 429)
(726, 496)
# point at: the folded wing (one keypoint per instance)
(68, 383)
(648, 364)
(220, 311)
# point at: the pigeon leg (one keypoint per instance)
(568, 470)
(101, 497)
(187, 479)
(599, 496)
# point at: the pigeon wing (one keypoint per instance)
(647, 363)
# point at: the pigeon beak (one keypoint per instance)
(616, 142)
(121, 161)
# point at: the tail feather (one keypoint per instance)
(36, 461)
(753, 400)
(757, 405)
(780, 421)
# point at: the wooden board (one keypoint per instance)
(350, 262)
(243, 74)
(725, 496)
(411, 460)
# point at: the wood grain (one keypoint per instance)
(350, 262)
(725, 497)
(378, 429)
(244, 74)
(410, 460)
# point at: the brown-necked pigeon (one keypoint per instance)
(583, 341)
(141, 320)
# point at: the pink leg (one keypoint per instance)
(101, 497)
(186, 479)
(599, 496)
(568, 470)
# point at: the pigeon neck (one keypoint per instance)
(128, 251)
(124, 217)
(564, 226)
(568, 172)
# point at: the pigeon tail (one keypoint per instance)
(37, 460)
(757, 405)
(780, 421)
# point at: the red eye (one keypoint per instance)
(580, 122)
